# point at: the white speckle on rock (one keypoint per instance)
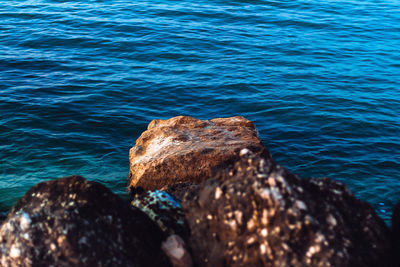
(271, 181)
(218, 193)
(232, 224)
(238, 216)
(25, 221)
(337, 192)
(8, 227)
(331, 220)
(312, 250)
(301, 205)
(265, 193)
(251, 240)
(250, 225)
(264, 232)
(320, 238)
(263, 248)
(261, 176)
(15, 252)
(276, 194)
(244, 151)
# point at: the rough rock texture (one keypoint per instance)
(259, 214)
(73, 222)
(178, 191)
(185, 149)
(164, 210)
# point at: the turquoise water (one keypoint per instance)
(80, 81)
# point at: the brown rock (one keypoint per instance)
(260, 214)
(186, 149)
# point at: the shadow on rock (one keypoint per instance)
(259, 214)
(73, 222)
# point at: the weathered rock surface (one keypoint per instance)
(259, 214)
(185, 149)
(73, 222)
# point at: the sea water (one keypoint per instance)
(80, 81)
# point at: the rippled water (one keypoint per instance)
(80, 80)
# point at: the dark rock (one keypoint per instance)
(164, 210)
(259, 214)
(178, 191)
(73, 222)
(184, 149)
(396, 232)
(2, 217)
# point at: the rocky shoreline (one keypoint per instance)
(202, 193)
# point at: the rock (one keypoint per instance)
(178, 191)
(73, 222)
(177, 251)
(2, 217)
(396, 232)
(184, 149)
(164, 210)
(259, 214)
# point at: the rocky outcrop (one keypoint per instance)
(216, 207)
(259, 214)
(73, 222)
(185, 149)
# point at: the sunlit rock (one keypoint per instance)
(184, 149)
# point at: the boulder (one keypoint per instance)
(259, 214)
(188, 150)
(74, 222)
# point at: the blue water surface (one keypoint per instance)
(80, 81)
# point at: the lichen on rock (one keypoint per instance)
(163, 209)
